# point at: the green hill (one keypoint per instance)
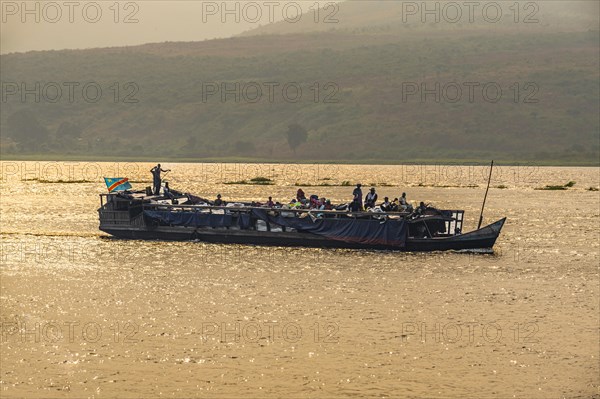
(355, 102)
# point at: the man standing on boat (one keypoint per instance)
(357, 193)
(156, 177)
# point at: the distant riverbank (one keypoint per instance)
(415, 161)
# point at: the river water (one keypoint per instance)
(85, 315)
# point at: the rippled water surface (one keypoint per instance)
(85, 315)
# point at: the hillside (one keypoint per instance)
(361, 16)
(361, 110)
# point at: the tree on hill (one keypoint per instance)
(67, 135)
(68, 131)
(25, 129)
(296, 135)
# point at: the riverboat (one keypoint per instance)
(141, 215)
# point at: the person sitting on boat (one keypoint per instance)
(318, 205)
(321, 205)
(328, 206)
(355, 205)
(173, 192)
(294, 204)
(219, 201)
(315, 203)
(322, 202)
(405, 206)
(371, 198)
(300, 196)
(167, 191)
(421, 208)
(403, 202)
(394, 205)
(386, 206)
(270, 203)
(156, 177)
(357, 194)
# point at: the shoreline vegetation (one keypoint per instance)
(559, 187)
(264, 181)
(258, 160)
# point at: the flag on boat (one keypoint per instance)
(117, 184)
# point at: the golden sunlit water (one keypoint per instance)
(86, 315)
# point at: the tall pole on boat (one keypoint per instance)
(485, 197)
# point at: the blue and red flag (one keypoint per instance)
(117, 184)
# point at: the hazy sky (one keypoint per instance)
(47, 25)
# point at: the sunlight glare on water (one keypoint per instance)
(87, 315)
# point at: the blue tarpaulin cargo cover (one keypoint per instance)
(190, 219)
(363, 231)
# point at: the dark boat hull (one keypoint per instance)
(483, 238)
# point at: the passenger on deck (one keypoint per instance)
(174, 192)
(403, 202)
(371, 198)
(355, 206)
(421, 208)
(219, 201)
(156, 177)
(386, 206)
(294, 204)
(357, 194)
(314, 202)
(270, 203)
(322, 202)
(167, 191)
(300, 196)
(321, 205)
(394, 207)
(328, 206)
